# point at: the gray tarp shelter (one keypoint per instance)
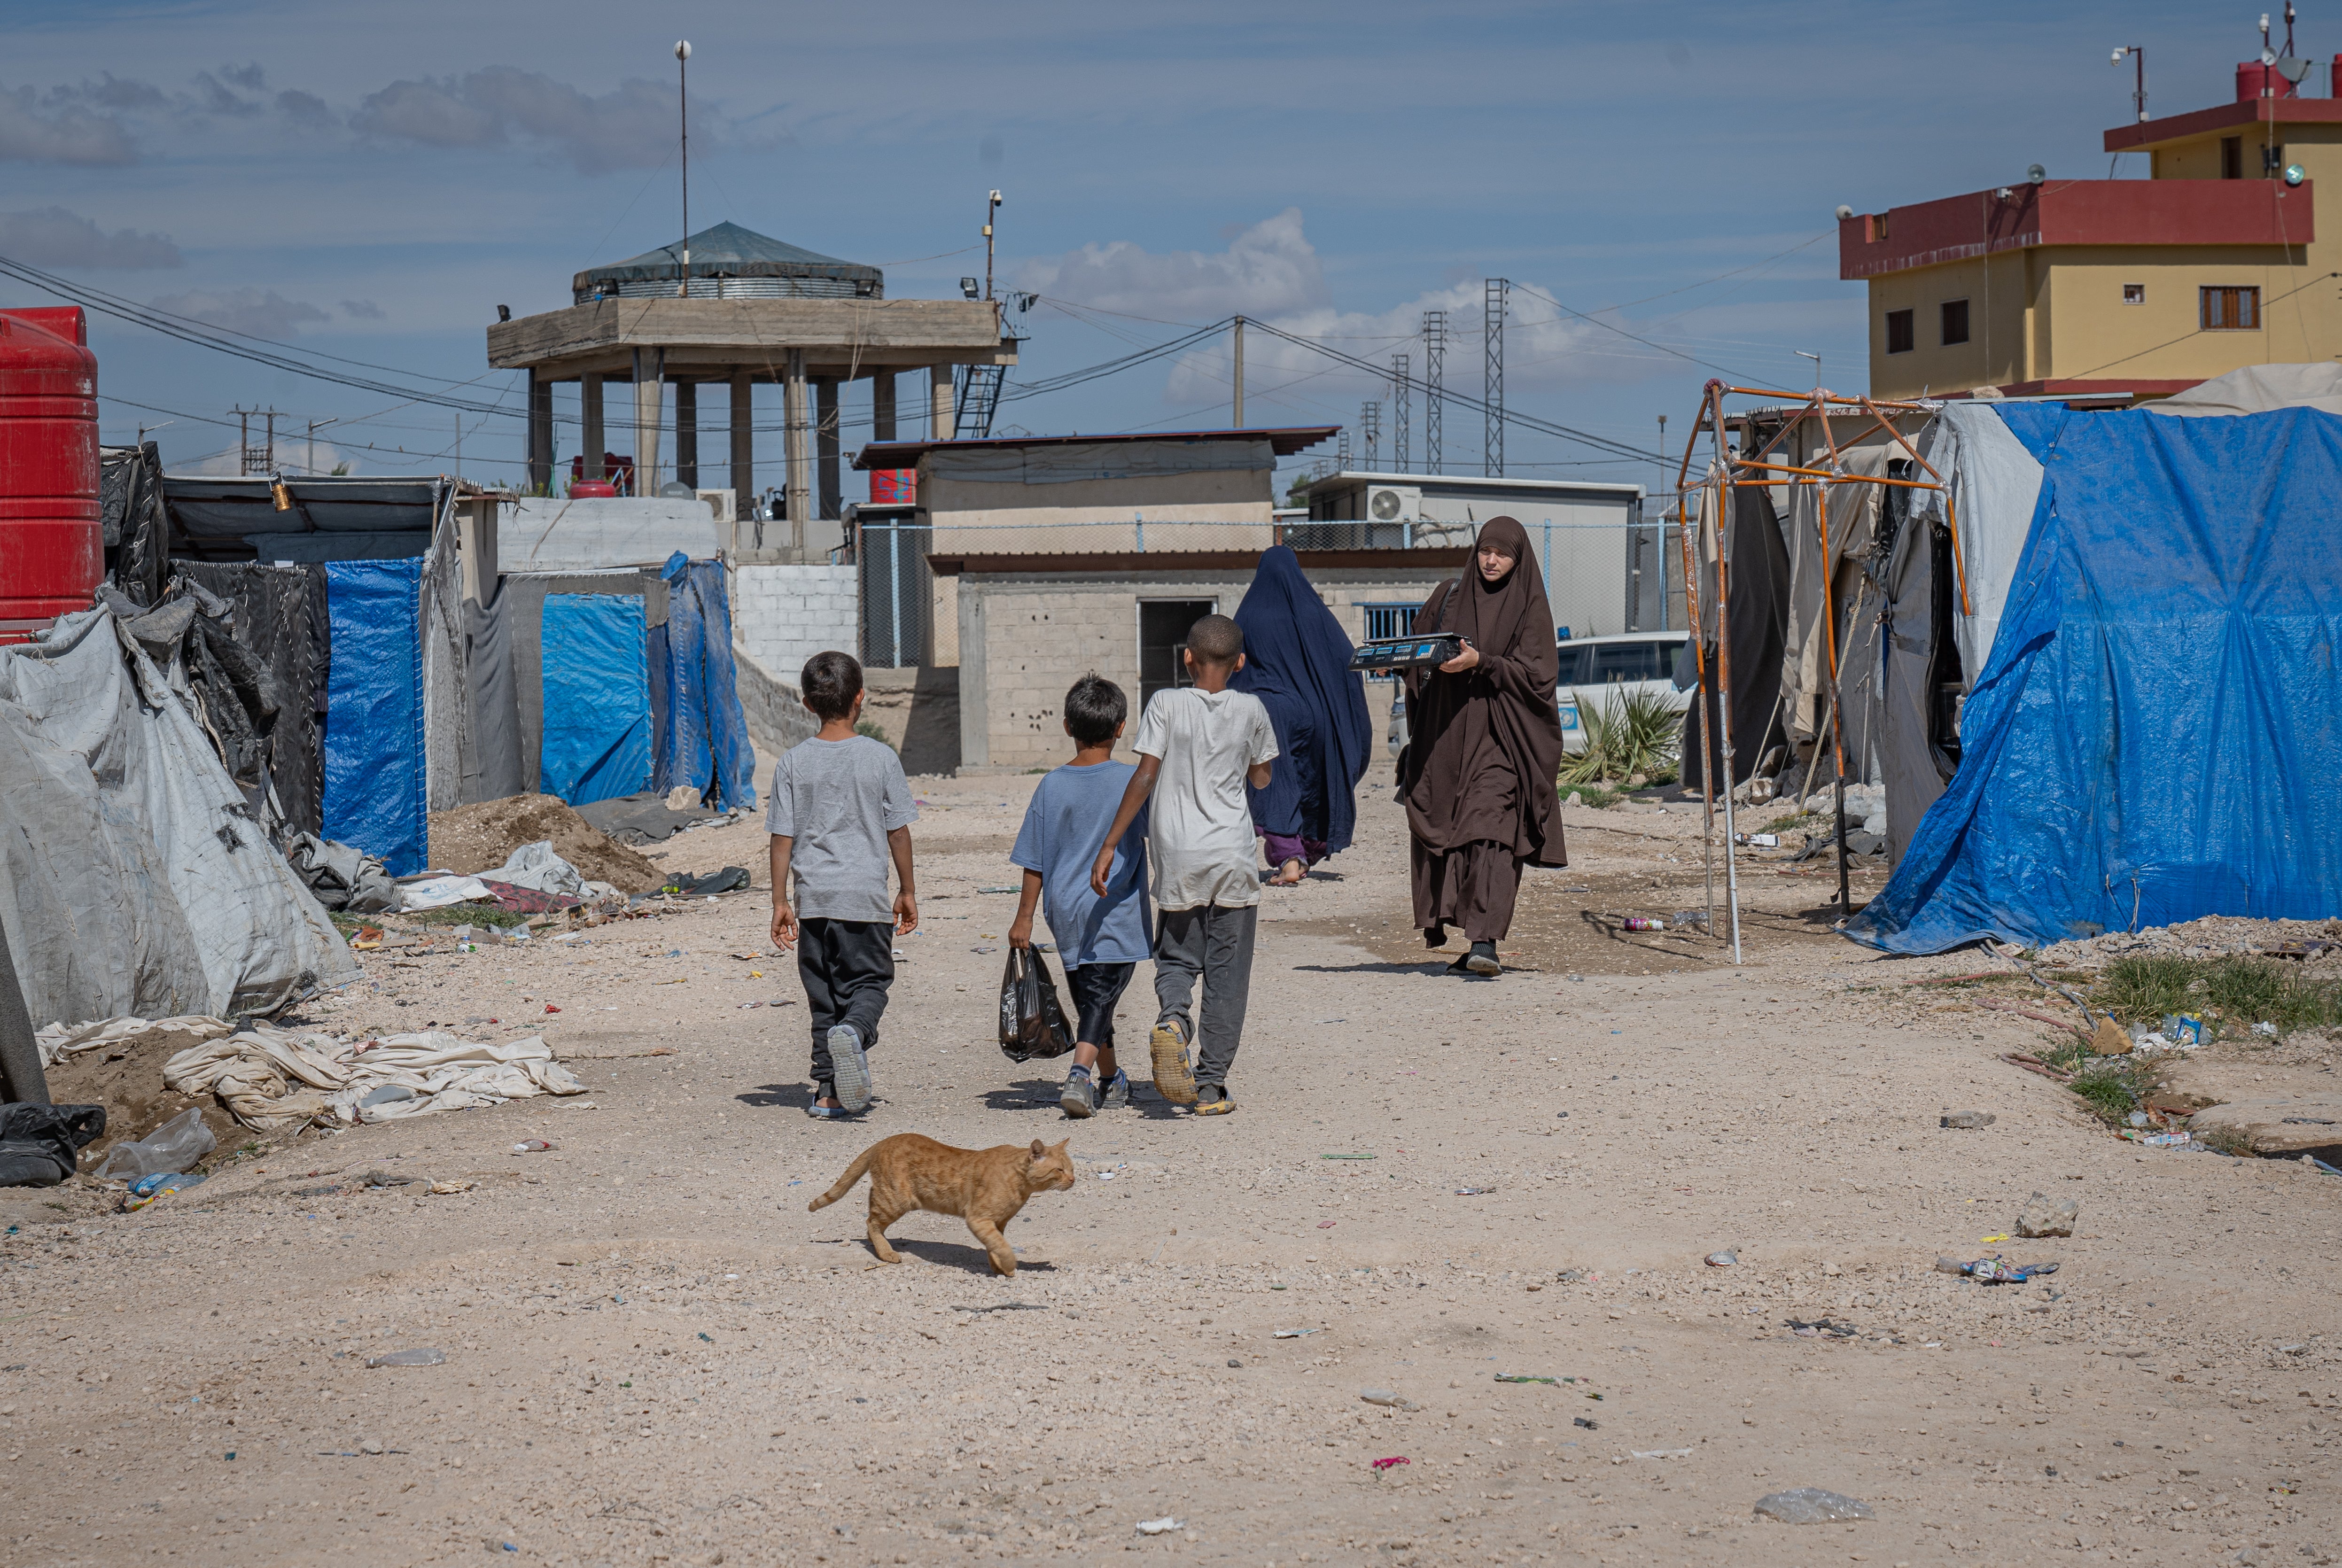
(134, 876)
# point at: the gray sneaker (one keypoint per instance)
(1116, 1094)
(851, 1066)
(1079, 1097)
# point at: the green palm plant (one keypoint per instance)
(1636, 737)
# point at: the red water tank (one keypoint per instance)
(591, 489)
(2251, 76)
(51, 551)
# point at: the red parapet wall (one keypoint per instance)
(2077, 213)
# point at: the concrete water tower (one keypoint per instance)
(749, 308)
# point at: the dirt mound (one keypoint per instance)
(128, 1081)
(472, 839)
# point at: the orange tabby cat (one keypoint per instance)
(986, 1187)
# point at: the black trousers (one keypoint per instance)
(846, 966)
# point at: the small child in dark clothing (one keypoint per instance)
(1100, 937)
(841, 809)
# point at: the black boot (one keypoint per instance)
(1482, 959)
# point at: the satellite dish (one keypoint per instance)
(1844, 212)
(2291, 68)
(2294, 174)
(2035, 173)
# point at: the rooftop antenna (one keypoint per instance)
(1816, 358)
(2138, 89)
(682, 106)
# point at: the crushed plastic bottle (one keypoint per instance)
(1812, 1506)
(173, 1147)
(422, 1356)
(1642, 923)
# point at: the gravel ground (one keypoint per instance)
(654, 1353)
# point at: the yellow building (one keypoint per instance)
(2110, 287)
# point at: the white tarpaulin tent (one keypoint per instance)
(133, 878)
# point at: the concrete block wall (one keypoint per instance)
(1026, 637)
(784, 615)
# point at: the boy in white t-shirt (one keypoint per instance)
(1203, 743)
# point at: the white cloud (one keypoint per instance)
(1268, 269)
(362, 309)
(66, 134)
(53, 236)
(257, 313)
(632, 127)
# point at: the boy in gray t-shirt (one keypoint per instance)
(841, 809)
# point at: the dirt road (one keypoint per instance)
(654, 1353)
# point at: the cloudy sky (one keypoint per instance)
(368, 183)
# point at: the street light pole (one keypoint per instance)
(682, 107)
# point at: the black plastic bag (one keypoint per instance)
(1032, 1023)
(40, 1146)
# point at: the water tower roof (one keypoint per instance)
(729, 251)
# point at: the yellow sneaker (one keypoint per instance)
(1175, 1080)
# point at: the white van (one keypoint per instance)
(1593, 670)
(1606, 669)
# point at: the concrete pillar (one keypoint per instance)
(686, 433)
(939, 402)
(476, 547)
(744, 446)
(540, 433)
(589, 392)
(882, 406)
(650, 409)
(826, 433)
(796, 428)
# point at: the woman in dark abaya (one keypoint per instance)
(1483, 748)
(1297, 663)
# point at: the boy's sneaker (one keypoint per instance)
(819, 1112)
(1211, 1100)
(1079, 1097)
(1116, 1095)
(852, 1067)
(1175, 1080)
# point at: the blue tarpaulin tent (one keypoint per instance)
(703, 733)
(2156, 734)
(373, 742)
(597, 717)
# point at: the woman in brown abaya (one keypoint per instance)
(1483, 748)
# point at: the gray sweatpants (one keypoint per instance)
(1216, 943)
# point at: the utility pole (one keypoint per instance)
(1493, 300)
(1435, 376)
(1238, 425)
(309, 454)
(1398, 412)
(991, 210)
(251, 459)
(1370, 431)
(682, 107)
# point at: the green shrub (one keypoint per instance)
(2141, 988)
(1637, 736)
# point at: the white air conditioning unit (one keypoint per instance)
(1393, 502)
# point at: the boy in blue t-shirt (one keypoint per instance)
(1101, 939)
